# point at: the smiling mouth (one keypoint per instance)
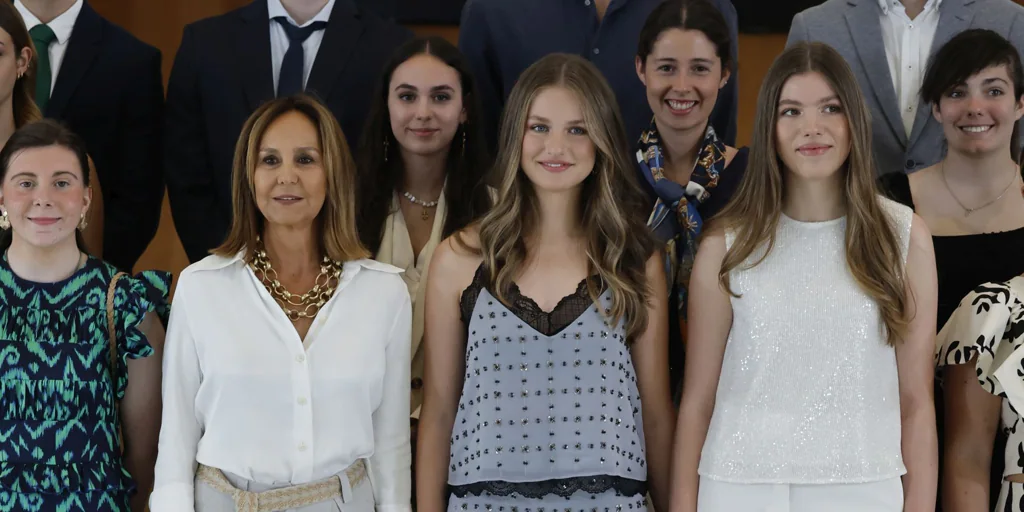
(287, 199)
(976, 129)
(44, 221)
(681, 105)
(424, 132)
(555, 166)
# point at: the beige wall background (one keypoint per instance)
(160, 23)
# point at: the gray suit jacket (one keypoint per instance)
(853, 27)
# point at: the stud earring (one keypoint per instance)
(5, 223)
(83, 223)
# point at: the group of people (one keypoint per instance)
(510, 278)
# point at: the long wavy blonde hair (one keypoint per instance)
(873, 251)
(611, 202)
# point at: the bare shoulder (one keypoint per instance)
(456, 259)
(920, 235)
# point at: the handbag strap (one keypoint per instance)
(112, 329)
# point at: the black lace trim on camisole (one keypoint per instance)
(547, 323)
(563, 487)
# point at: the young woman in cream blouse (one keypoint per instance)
(421, 164)
(287, 363)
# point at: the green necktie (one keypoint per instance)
(42, 36)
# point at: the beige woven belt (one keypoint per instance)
(284, 498)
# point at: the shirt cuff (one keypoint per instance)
(172, 498)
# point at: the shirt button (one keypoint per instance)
(300, 358)
(302, 400)
(911, 164)
(302, 447)
(417, 383)
(597, 51)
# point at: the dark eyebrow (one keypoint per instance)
(445, 87)
(702, 60)
(30, 174)
(798, 104)
(988, 81)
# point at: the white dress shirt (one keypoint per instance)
(279, 42)
(244, 394)
(62, 26)
(908, 44)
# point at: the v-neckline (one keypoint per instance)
(566, 312)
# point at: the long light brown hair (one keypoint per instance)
(618, 243)
(336, 221)
(873, 251)
(23, 97)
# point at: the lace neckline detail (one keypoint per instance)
(549, 323)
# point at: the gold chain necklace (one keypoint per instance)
(296, 306)
(969, 211)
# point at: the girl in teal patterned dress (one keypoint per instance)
(65, 413)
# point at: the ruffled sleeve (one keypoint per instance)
(146, 292)
(987, 330)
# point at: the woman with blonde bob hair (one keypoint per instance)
(808, 379)
(547, 321)
(287, 367)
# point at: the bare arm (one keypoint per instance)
(972, 416)
(444, 346)
(914, 359)
(140, 413)
(709, 319)
(650, 356)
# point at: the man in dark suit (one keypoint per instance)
(228, 65)
(106, 86)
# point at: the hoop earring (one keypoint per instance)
(385, 148)
(83, 223)
(5, 223)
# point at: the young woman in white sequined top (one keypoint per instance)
(812, 307)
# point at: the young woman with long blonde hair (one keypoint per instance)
(546, 322)
(812, 309)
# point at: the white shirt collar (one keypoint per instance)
(275, 9)
(888, 4)
(61, 25)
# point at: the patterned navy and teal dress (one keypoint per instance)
(59, 447)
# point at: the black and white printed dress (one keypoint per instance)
(987, 330)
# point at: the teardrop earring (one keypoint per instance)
(385, 149)
(5, 223)
(463, 156)
(83, 223)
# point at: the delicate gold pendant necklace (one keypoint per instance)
(296, 306)
(969, 211)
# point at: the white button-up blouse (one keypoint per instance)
(244, 394)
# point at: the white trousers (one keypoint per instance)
(716, 496)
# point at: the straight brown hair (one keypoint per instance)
(873, 251)
(337, 219)
(24, 95)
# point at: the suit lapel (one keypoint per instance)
(863, 19)
(83, 47)
(954, 17)
(340, 36)
(253, 54)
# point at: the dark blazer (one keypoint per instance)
(109, 90)
(222, 73)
